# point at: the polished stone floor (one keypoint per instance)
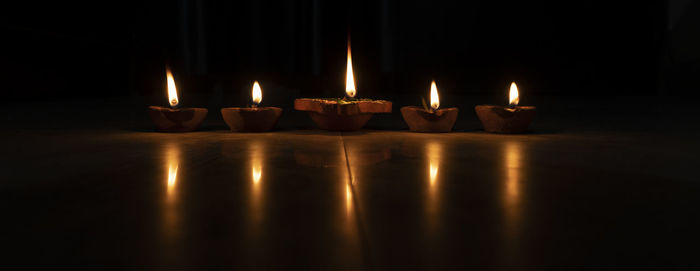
(571, 195)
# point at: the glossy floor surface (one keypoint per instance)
(595, 199)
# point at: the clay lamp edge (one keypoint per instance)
(420, 120)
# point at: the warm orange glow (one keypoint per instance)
(512, 151)
(171, 209)
(348, 193)
(434, 98)
(347, 174)
(514, 97)
(434, 151)
(348, 199)
(350, 78)
(173, 165)
(256, 162)
(433, 172)
(257, 93)
(256, 171)
(256, 210)
(172, 177)
(512, 189)
(172, 91)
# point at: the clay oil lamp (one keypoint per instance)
(253, 118)
(346, 114)
(175, 119)
(511, 119)
(430, 119)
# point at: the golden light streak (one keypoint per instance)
(173, 166)
(257, 93)
(171, 211)
(256, 171)
(349, 77)
(512, 189)
(514, 97)
(172, 177)
(172, 90)
(434, 151)
(256, 160)
(434, 98)
(434, 166)
(512, 172)
(348, 178)
(348, 199)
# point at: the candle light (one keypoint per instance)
(350, 90)
(430, 119)
(175, 119)
(509, 119)
(257, 94)
(344, 114)
(253, 118)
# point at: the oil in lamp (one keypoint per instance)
(253, 118)
(430, 119)
(175, 119)
(342, 114)
(511, 119)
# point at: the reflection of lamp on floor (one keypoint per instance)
(171, 212)
(512, 187)
(173, 164)
(434, 152)
(256, 159)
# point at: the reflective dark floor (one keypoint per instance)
(599, 199)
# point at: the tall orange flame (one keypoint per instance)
(434, 98)
(257, 93)
(350, 78)
(172, 91)
(514, 97)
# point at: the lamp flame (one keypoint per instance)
(172, 91)
(434, 98)
(350, 78)
(514, 97)
(257, 93)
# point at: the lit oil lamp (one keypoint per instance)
(511, 119)
(342, 114)
(253, 118)
(430, 119)
(176, 119)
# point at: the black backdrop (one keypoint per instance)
(114, 48)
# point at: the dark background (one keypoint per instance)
(65, 50)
